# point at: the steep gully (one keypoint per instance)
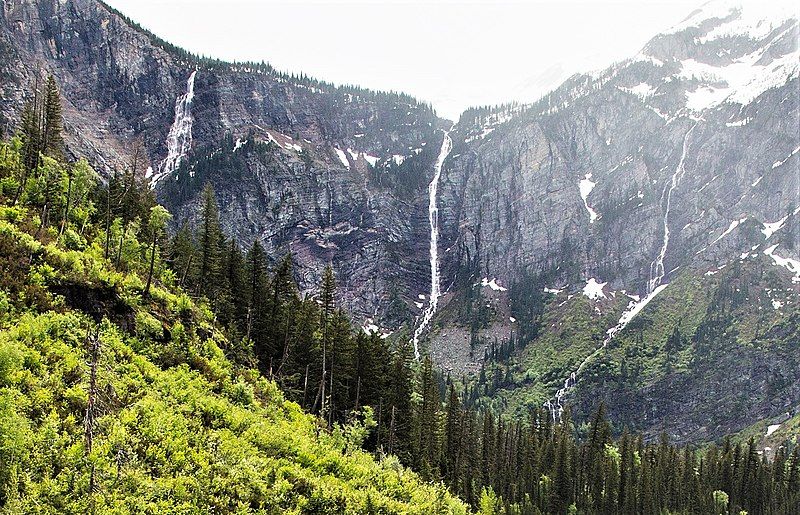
(654, 287)
(433, 219)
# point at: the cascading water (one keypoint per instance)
(654, 287)
(433, 219)
(657, 266)
(179, 139)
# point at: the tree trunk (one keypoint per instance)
(66, 208)
(91, 411)
(152, 264)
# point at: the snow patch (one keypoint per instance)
(738, 123)
(642, 90)
(755, 20)
(633, 309)
(740, 82)
(594, 289)
(370, 327)
(492, 284)
(770, 228)
(790, 264)
(779, 163)
(342, 157)
(772, 428)
(730, 229)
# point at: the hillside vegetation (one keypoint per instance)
(116, 395)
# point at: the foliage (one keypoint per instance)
(175, 425)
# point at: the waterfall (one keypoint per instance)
(657, 266)
(433, 219)
(555, 405)
(179, 139)
(654, 287)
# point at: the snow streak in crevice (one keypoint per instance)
(433, 219)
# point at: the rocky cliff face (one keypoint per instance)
(336, 175)
(672, 165)
(698, 131)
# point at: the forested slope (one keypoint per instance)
(116, 390)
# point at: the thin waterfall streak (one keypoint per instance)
(657, 271)
(433, 221)
(654, 286)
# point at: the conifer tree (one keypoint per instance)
(182, 259)
(52, 143)
(210, 241)
(256, 277)
(327, 306)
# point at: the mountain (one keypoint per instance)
(331, 173)
(570, 239)
(632, 183)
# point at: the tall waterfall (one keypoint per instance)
(654, 287)
(657, 266)
(179, 139)
(433, 219)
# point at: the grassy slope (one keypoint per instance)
(179, 429)
(636, 361)
(571, 330)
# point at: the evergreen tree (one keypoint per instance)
(256, 287)
(183, 257)
(211, 244)
(52, 143)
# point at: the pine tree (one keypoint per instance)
(52, 143)
(327, 306)
(182, 258)
(256, 286)
(210, 241)
(283, 305)
(30, 133)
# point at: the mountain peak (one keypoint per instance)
(726, 18)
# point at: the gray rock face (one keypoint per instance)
(511, 190)
(342, 182)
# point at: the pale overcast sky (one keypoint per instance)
(454, 54)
